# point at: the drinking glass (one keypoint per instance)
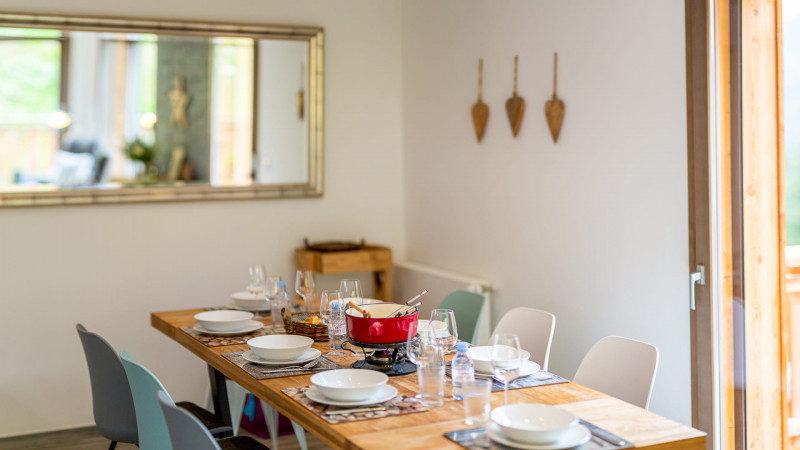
(421, 351)
(304, 285)
(326, 302)
(351, 291)
(431, 384)
(442, 329)
(271, 286)
(505, 359)
(258, 276)
(476, 401)
(271, 291)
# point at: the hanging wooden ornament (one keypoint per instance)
(554, 108)
(480, 111)
(515, 106)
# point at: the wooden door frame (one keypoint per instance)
(747, 215)
(764, 233)
(712, 368)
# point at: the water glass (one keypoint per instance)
(330, 312)
(304, 286)
(258, 276)
(271, 288)
(442, 329)
(351, 291)
(431, 384)
(476, 401)
(275, 305)
(506, 362)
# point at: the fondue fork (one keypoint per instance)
(417, 296)
(406, 310)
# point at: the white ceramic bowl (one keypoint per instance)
(422, 327)
(246, 300)
(349, 385)
(225, 320)
(531, 423)
(482, 357)
(280, 347)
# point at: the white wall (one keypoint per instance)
(594, 228)
(108, 267)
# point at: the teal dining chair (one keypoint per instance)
(153, 432)
(467, 307)
(186, 432)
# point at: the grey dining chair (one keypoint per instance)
(112, 401)
(186, 432)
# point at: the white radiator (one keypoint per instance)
(411, 278)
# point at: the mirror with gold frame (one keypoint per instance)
(112, 110)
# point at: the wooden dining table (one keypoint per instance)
(423, 429)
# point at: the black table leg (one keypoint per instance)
(219, 395)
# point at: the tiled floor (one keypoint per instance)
(88, 439)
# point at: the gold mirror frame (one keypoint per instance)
(187, 192)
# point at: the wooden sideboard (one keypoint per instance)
(369, 258)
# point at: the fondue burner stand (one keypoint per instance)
(387, 358)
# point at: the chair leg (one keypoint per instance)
(113, 445)
(301, 435)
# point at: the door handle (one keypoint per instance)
(698, 277)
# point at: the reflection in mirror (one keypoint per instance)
(106, 106)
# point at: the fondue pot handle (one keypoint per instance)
(376, 329)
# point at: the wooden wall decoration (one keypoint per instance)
(480, 111)
(554, 108)
(515, 105)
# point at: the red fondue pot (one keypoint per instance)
(380, 329)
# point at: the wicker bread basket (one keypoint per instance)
(298, 325)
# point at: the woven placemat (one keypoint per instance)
(540, 378)
(399, 405)
(217, 341)
(257, 370)
(477, 438)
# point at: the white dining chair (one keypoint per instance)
(534, 328)
(621, 367)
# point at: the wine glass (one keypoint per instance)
(271, 291)
(258, 276)
(505, 359)
(351, 291)
(304, 285)
(328, 302)
(442, 329)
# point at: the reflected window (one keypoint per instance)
(31, 119)
(232, 111)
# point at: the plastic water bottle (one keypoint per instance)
(462, 369)
(276, 304)
(337, 327)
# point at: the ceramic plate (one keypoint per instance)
(309, 355)
(252, 326)
(575, 436)
(528, 368)
(233, 305)
(385, 392)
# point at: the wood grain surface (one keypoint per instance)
(425, 430)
